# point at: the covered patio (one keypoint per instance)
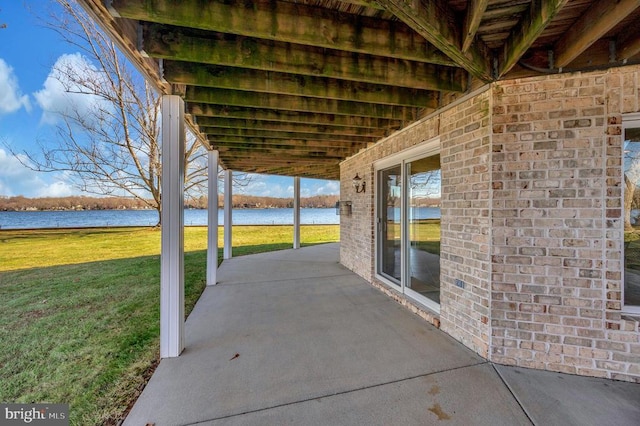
(523, 105)
(293, 337)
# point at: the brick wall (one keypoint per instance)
(557, 224)
(465, 236)
(357, 229)
(464, 131)
(357, 232)
(531, 266)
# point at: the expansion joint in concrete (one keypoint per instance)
(511, 391)
(346, 392)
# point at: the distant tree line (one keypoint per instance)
(256, 202)
(426, 202)
(21, 203)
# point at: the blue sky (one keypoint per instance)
(28, 52)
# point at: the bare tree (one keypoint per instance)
(108, 133)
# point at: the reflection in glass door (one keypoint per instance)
(631, 162)
(423, 229)
(389, 230)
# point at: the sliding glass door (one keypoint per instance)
(408, 226)
(423, 227)
(389, 229)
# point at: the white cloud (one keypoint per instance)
(312, 187)
(266, 186)
(59, 94)
(257, 185)
(11, 99)
(58, 188)
(282, 186)
(16, 179)
(328, 187)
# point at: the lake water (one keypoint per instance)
(99, 218)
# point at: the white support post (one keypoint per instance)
(296, 212)
(172, 218)
(212, 219)
(228, 206)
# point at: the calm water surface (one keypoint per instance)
(91, 218)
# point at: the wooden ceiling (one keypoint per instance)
(293, 87)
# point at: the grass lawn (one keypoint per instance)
(425, 235)
(79, 322)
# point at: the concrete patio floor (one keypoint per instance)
(293, 337)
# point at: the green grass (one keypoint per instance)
(80, 310)
(425, 235)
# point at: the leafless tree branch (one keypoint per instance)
(112, 146)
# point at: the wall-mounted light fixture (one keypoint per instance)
(343, 208)
(359, 184)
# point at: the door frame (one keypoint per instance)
(378, 229)
(629, 121)
(424, 149)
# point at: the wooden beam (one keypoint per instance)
(256, 151)
(475, 10)
(597, 56)
(319, 172)
(300, 144)
(533, 22)
(593, 24)
(269, 163)
(367, 3)
(279, 154)
(288, 22)
(284, 153)
(241, 136)
(297, 85)
(225, 111)
(248, 156)
(213, 132)
(124, 34)
(170, 43)
(303, 128)
(279, 157)
(296, 103)
(271, 160)
(279, 166)
(436, 22)
(628, 44)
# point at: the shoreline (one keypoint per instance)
(149, 218)
(149, 210)
(82, 228)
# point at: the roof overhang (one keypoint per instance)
(294, 87)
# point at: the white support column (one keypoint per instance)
(228, 207)
(212, 219)
(172, 217)
(296, 212)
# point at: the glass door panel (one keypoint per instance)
(631, 293)
(423, 227)
(389, 223)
